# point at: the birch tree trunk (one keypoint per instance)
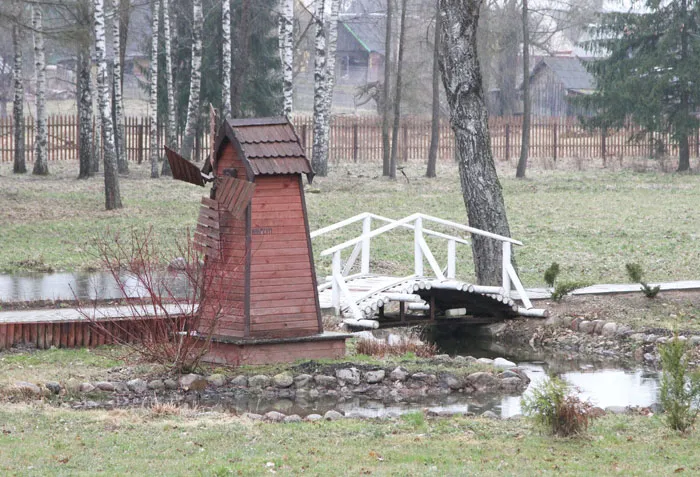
(525, 139)
(319, 157)
(41, 164)
(112, 196)
(397, 95)
(170, 125)
(122, 163)
(226, 59)
(20, 164)
(153, 93)
(435, 120)
(85, 117)
(386, 113)
(287, 54)
(195, 80)
(461, 77)
(332, 38)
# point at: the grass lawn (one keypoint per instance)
(592, 222)
(37, 440)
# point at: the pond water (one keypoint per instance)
(68, 286)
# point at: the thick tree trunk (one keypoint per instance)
(683, 154)
(112, 195)
(122, 163)
(435, 120)
(226, 59)
(319, 157)
(397, 95)
(41, 163)
(195, 80)
(170, 124)
(153, 92)
(85, 121)
(386, 113)
(287, 54)
(20, 164)
(461, 77)
(525, 140)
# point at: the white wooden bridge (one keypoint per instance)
(367, 300)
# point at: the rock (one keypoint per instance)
(661, 340)
(53, 386)
(240, 381)
(374, 377)
(252, 416)
(598, 326)
(586, 327)
(137, 385)
(511, 384)
(314, 417)
(694, 340)
(650, 338)
(553, 321)
(453, 383)
(623, 330)
(314, 394)
(492, 330)
(332, 415)
(274, 416)
(442, 357)
(28, 389)
(348, 375)
(485, 361)
(86, 387)
(503, 363)
(398, 374)
(483, 381)
(609, 329)
(616, 410)
(292, 418)
(121, 387)
(283, 380)
(325, 381)
(394, 339)
(649, 357)
(258, 381)
(216, 380)
(638, 337)
(192, 381)
(156, 385)
(575, 322)
(72, 385)
(105, 386)
(508, 374)
(170, 384)
(302, 380)
(490, 415)
(178, 263)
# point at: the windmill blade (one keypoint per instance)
(206, 237)
(183, 170)
(234, 195)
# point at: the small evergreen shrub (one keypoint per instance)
(680, 389)
(553, 408)
(551, 274)
(634, 271)
(564, 288)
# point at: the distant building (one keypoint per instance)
(554, 81)
(360, 50)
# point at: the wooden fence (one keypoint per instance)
(359, 139)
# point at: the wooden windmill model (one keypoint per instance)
(254, 233)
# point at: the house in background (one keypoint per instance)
(360, 50)
(554, 81)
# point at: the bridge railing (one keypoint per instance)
(361, 248)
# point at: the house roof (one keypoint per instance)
(368, 30)
(267, 146)
(570, 70)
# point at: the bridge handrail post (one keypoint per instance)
(366, 229)
(335, 291)
(451, 258)
(417, 251)
(506, 263)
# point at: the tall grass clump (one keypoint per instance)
(680, 389)
(554, 409)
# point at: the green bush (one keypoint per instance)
(564, 288)
(634, 271)
(680, 389)
(552, 407)
(551, 274)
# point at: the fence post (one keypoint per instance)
(555, 141)
(140, 146)
(507, 141)
(603, 136)
(354, 143)
(303, 137)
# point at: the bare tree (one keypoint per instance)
(435, 120)
(118, 104)
(525, 141)
(41, 164)
(153, 91)
(461, 77)
(286, 31)
(386, 113)
(195, 80)
(20, 165)
(397, 95)
(112, 195)
(226, 59)
(85, 116)
(319, 156)
(170, 124)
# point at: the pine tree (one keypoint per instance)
(649, 70)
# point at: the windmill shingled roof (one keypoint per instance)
(271, 146)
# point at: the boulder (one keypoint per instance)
(274, 416)
(292, 418)
(28, 389)
(398, 374)
(240, 381)
(192, 381)
(302, 380)
(598, 329)
(252, 416)
(105, 386)
(609, 329)
(314, 417)
(586, 327)
(86, 387)
(332, 415)
(283, 380)
(485, 361)
(348, 375)
(638, 337)
(325, 381)
(490, 415)
(170, 384)
(453, 383)
(508, 374)
(53, 386)
(258, 381)
(511, 384)
(483, 381)
(503, 363)
(137, 385)
(156, 385)
(374, 377)
(216, 380)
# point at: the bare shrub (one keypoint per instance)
(166, 325)
(404, 345)
(552, 407)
